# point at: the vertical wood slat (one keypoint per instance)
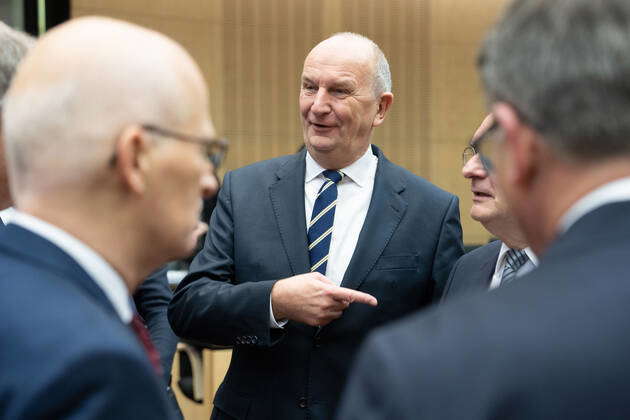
(251, 52)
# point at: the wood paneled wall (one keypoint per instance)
(251, 52)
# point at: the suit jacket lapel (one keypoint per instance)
(287, 199)
(486, 271)
(387, 208)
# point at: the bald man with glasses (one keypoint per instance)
(501, 261)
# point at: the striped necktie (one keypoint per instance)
(321, 225)
(514, 259)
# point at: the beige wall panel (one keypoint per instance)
(251, 53)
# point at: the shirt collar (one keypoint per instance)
(97, 268)
(612, 192)
(358, 171)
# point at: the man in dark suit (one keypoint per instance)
(498, 262)
(288, 312)
(152, 297)
(81, 121)
(554, 344)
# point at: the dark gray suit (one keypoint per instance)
(473, 272)
(410, 240)
(552, 346)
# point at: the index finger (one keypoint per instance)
(353, 296)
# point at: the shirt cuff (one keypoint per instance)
(272, 321)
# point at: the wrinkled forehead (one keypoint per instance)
(342, 58)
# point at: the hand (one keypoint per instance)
(313, 299)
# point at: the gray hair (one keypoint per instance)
(564, 65)
(13, 46)
(382, 75)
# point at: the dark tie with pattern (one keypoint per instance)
(321, 224)
(137, 325)
(514, 259)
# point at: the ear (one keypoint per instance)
(131, 158)
(522, 149)
(385, 101)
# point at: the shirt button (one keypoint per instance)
(302, 402)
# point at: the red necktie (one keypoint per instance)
(137, 324)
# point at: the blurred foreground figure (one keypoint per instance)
(105, 192)
(553, 344)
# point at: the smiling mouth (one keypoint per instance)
(481, 194)
(321, 126)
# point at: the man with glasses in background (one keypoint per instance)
(500, 261)
(553, 344)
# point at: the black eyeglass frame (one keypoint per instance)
(216, 148)
(475, 146)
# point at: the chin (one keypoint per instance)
(482, 215)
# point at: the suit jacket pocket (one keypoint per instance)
(232, 404)
(397, 262)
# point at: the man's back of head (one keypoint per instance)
(557, 75)
(83, 152)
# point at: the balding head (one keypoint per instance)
(82, 84)
(345, 94)
(360, 48)
(103, 121)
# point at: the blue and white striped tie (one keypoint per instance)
(514, 260)
(321, 225)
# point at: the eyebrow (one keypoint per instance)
(343, 83)
(476, 140)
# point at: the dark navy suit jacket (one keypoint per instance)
(552, 346)
(473, 272)
(410, 240)
(65, 352)
(151, 299)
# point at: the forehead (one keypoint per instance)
(327, 65)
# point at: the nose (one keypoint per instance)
(474, 168)
(209, 182)
(321, 102)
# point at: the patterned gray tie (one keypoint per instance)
(514, 259)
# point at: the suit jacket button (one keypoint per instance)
(302, 402)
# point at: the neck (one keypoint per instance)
(508, 232)
(99, 228)
(334, 159)
(564, 184)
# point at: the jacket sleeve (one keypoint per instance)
(151, 299)
(450, 247)
(212, 306)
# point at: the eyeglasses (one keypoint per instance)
(215, 148)
(485, 146)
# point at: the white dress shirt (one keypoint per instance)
(524, 269)
(97, 268)
(612, 192)
(5, 215)
(354, 193)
